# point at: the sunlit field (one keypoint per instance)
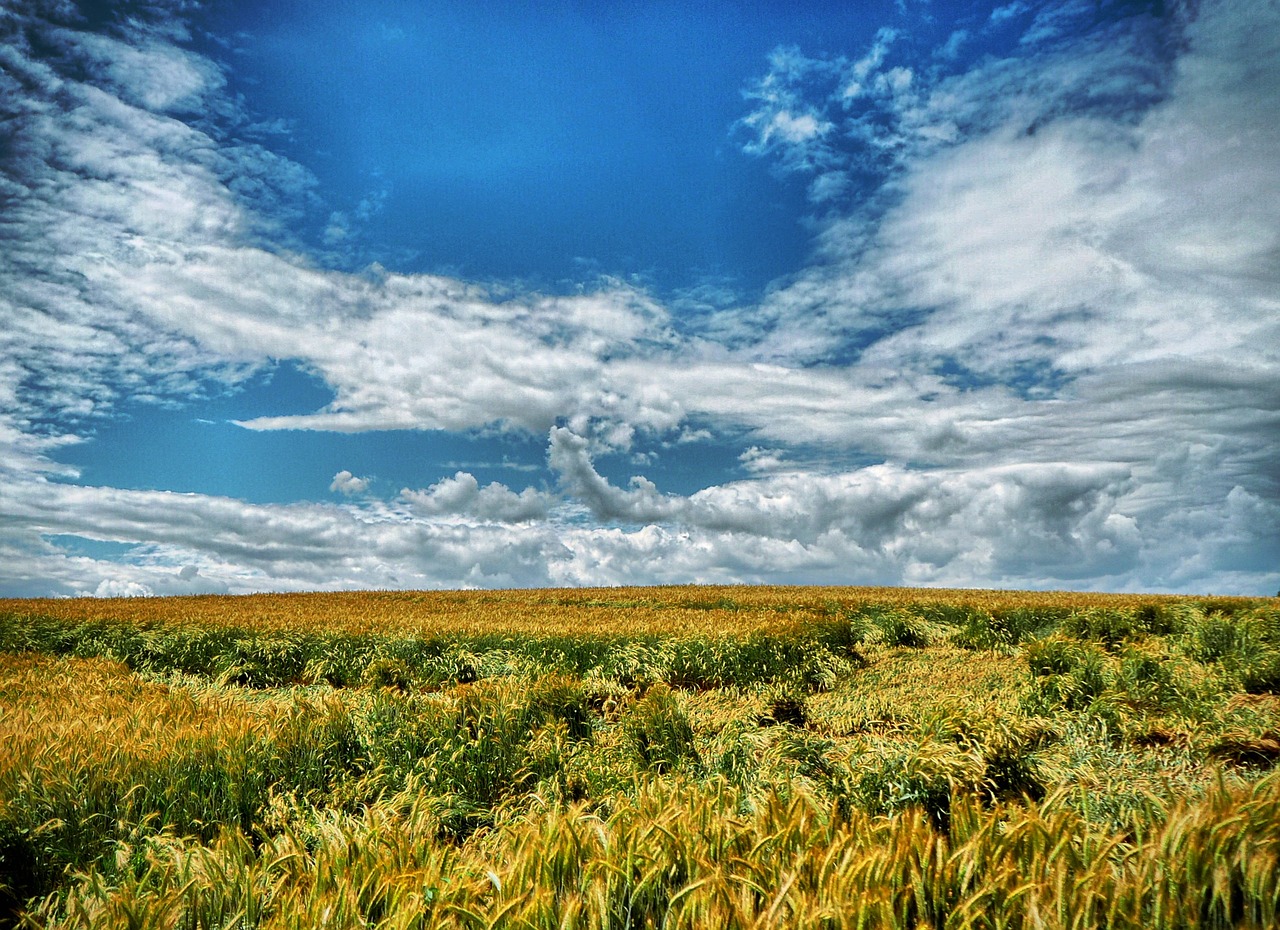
(644, 757)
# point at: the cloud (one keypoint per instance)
(1052, 330)
(144, 261)
(347, 484)
(956, 41)
(145, 70)
(111, 587)
(1043, 525)
(881, 116)
(1051, 520)
(241, 547)
(785, 125)
(1032, 526)
(759, 460)
(474, 361)
(1009, 11)
(1099, 217)
(568, 457)
(867, 64)
(462, 496)
(792, 129)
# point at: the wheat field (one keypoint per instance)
(643, 757)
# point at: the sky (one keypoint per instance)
(330, 295)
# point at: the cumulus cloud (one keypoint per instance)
(1060, 520)
(346, 483)
(241, 547)
(1041, 525)
(568, 457)
(462, 496)
(114, 587)
(759, 460)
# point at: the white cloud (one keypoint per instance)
(112, 587)
(1089, 247)
(346, 483)
(241, 547)
(152, 73)
(792, 129)
(153, 276)
(784, 124)
(759, 460)
(1009, 11)
(1045, 525)
(1056, 331)
(867, 65)
(1050, 520)
(338, 230)
(462, 496)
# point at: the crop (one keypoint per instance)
(675, 757)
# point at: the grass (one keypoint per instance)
(738, 757)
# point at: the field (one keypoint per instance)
(648, 757)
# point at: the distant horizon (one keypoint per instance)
(584, 589)
(390, 296)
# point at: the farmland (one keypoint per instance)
(647, 757)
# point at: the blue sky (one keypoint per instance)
(388, 294)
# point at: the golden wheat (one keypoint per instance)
(676, 611)
(641, 757)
